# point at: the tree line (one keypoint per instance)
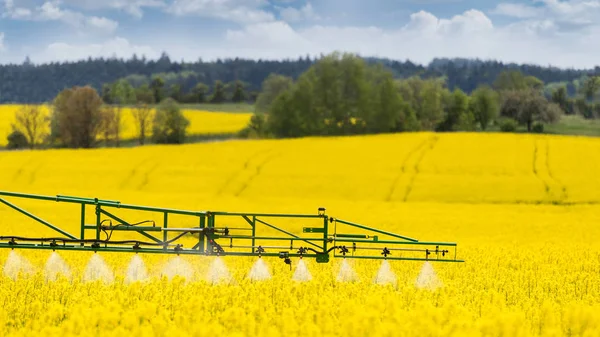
(79, 118)
(342, 94)
(33, 83)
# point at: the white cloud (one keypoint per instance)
(470, 34)
(132, 7)
(2, 48)
(118, 46)
(516, 10)
(51, 11)
(577, 12)
(291, 14)
(240, 11)
(102, 24)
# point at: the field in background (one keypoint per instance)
(202, 122)
(524, 210)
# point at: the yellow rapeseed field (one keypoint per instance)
(201, 122)
(524, 210)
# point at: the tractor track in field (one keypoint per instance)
(563, 187)
(259, 168)
(536, 171)
(133, 173)
(555, 190)
(432, 142)
(416, 151)
(33, 173)
(146, 179)
(21, 170)
(237, 173)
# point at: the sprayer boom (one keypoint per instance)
(218, 233)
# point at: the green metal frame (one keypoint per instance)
(318, 241)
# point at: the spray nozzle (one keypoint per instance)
(301, 251)
(343, 250)
(260, 250)
(386, 252)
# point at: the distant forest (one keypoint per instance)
(30, 83)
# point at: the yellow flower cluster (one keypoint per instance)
(201, 122)
(523, 209)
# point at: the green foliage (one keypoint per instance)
(458, 115)
(538, 128)
(529, 106)
(508, 125)
(157, 87)
(239, 94)
(199, 92)
(426, 97)
(560, 97)
(169, 125)
(484, 106)
(76, 117)
(17, 140)
(272, 87)
(218, 95)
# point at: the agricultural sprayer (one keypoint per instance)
(158, 230)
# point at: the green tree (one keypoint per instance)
(529, 106)
(157, 86)
(142, 112)
(484, 106)
(239, 95)
(122, 93)
(78, 116)
(17, 140)
(199, 92)
(560, 97)
(456, 106)
(272, 87)
(218, 95)
(176, 92)
(388, 107)
(169, 125)
(426, 99)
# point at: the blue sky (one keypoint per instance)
(563, 33)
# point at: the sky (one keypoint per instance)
(562, 33)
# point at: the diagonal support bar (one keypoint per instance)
(375, 230)
(44, 222)
(288, 233)
(114, 217)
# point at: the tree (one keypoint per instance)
(388, 114)
(484, 106)
(176, 92)
(122, 93)
(169, 125)
(516, 80)
(529, 106)
(78, 116)
(199, 92)
(426, 98)
(456, 107)
(591, 88)
(218, 95)
(272, 87)
(107, 123)
(560, 97)
(31, 121)
(239, 95)
(17, 140)
(142, 112)
(157, 86)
